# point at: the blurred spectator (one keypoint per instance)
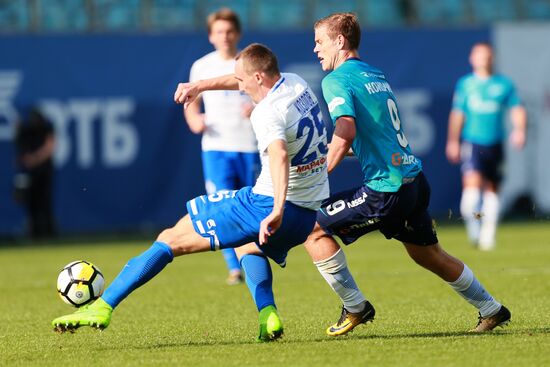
(477, 119)
(33, 184)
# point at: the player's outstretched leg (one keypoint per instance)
(271, 327)
(135, 273)
(97, 314)
(178, 240)
(459, 276)
(259, 279)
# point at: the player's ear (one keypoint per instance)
(258, 77)
(340, 41)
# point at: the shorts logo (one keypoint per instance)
(358, 201)
(367, 223)
(210, 223)
(336, 101)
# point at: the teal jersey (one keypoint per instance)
(484, 103)
(361, 91)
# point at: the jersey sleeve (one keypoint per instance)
(339, 98)
(459, 97)
(268, 125)
(513, 99)
(194, 72)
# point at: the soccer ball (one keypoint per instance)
(79, 283)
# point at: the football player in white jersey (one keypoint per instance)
(266, 220)
(229, 154)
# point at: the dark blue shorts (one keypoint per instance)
(231, 219)
(487, 160)
(402, 215)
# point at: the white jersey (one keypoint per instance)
(226, 127)
(291, 112)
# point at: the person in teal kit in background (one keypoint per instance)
(475, 138)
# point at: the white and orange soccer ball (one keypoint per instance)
(80, 282)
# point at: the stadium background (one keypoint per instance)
(104, 72)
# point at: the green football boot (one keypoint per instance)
(271, 327)
(96, 314)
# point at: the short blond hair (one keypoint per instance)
(259, 58)
(345, 24)
(224, 14)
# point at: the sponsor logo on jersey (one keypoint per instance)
(336, 101)
(477, 104)
(370, 75)
(312, 167)
(398, 159)
(495, 90)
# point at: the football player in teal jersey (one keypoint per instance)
(480, 103)
(394, 195)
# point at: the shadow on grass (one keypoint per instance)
(496, 333)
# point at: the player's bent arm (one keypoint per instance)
(278, 166)
(456, 123)
(518, 115)
(343, 136)
(31, 160)
(194, 117)
(187, 92)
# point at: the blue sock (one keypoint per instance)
(231, 259)
(137, 272)
(258, 279)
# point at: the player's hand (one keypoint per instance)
(186, 93)
(453, 152)
(517, 138)
(270, 225)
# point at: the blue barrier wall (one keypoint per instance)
(125, 159)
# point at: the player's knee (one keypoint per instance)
(169, 237)
(316, 235)
(426, 256)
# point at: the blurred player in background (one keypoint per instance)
(229, 154)
(268, 219)
(478, 118)
(394, 195)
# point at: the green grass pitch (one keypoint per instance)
(187, 316)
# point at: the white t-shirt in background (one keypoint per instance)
(226, 127)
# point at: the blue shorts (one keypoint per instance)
(402, 215)
(485, 159)
(229, 170)
(231, 219)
